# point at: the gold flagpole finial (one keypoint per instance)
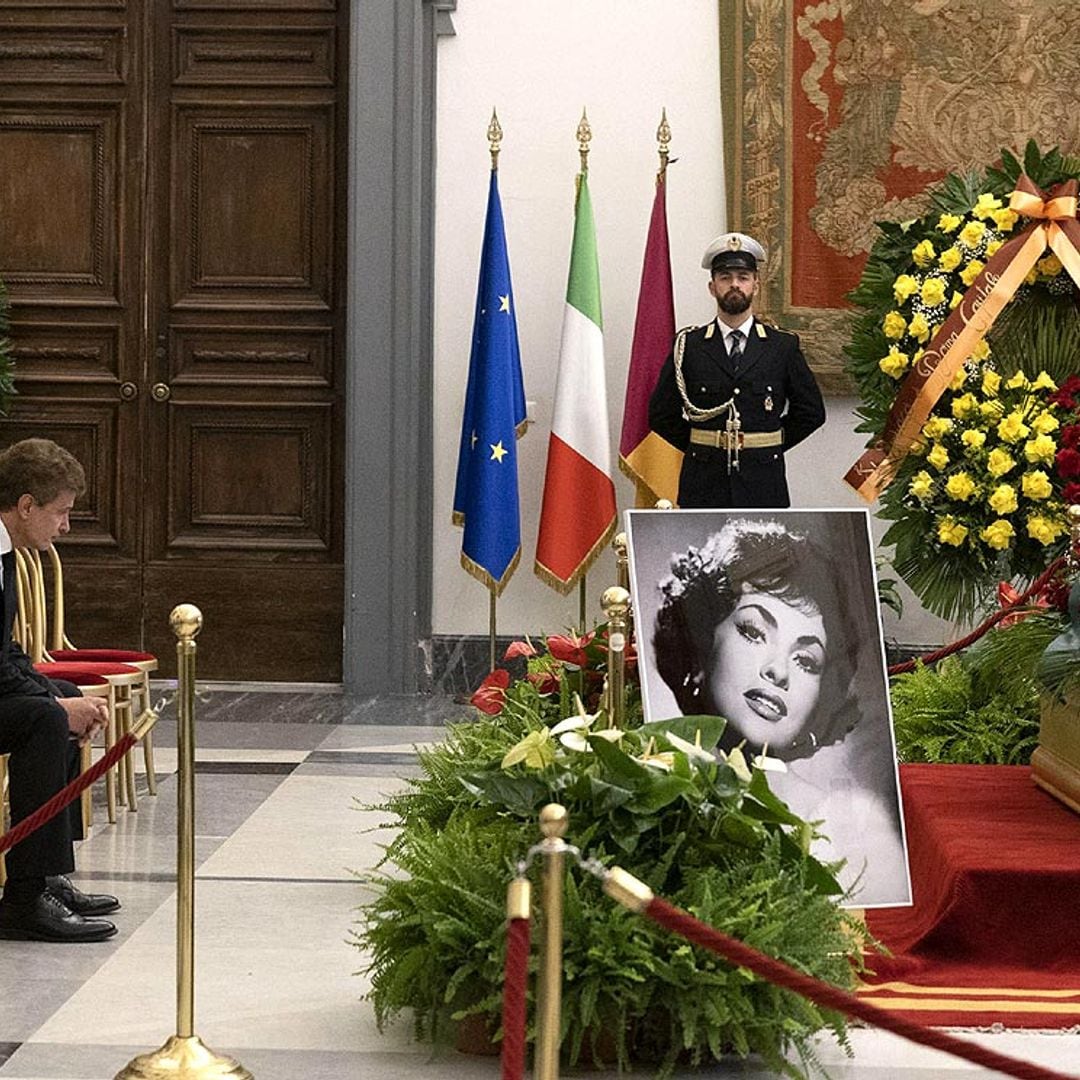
(584, 137)
(494, 134)
(663, 138)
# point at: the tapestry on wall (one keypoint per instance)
(840, 113)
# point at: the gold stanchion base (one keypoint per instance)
(183, 1059)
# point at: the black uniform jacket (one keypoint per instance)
(774, 390)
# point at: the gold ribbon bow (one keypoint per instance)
(1053, 225)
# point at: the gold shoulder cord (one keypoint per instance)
(690, 410)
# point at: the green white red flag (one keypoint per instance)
(578, 514)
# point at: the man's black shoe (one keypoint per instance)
(76, 900)
(48, 919)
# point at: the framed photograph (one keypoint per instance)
(770, 619)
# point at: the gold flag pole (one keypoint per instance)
(616, 605)
(663, 138)
(183, 1056)
(584, 137)
(553, 823)
(494, 137)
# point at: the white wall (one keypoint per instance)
(539, 64)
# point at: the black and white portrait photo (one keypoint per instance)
(770, 619)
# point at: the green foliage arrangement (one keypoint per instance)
(980, 707)
(702, 830)
(979, 499)
(7, 363)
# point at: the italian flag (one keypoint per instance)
(578, 514)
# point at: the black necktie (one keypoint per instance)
(735, 344)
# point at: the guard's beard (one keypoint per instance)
(734, 302)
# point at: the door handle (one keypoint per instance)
(161, 391)
(128, 391)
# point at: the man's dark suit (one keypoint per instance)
(774, 391)
(34, 731)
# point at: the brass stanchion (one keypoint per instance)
(553, 823)
(184, 1057)
(616, 604)
(622, 577)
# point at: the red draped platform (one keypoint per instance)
(994, 933)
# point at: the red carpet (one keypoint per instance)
(994, 934)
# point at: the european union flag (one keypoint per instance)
(486, 493)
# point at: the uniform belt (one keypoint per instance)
(751, 440)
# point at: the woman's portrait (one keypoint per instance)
(770, 621)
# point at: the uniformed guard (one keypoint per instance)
(735, 394)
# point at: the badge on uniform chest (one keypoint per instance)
(768, 403)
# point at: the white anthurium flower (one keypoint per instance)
(765, 763)
(573, 732)
(738, 763)
(663, 760)
(692, 750)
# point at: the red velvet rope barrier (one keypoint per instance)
(514, 987)
(1036, 587)
(67, 795)
(831, 997)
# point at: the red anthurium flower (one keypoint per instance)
(491, 694)
(1008, 596)
(545, 682)
(519, 648)
(569, 649)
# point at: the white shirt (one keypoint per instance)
(5, 546)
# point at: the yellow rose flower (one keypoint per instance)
(1049, 266)
(950, 259)
(993, 248)
(1040, 449)
(964, 405)
(1019, 381)
(948, 223)
(971, 271)
(1044, 529)
(950, 531)
(923, 254)
(985, 205)
(938, 457)
(1005, 219)
(1036, 485)
(991, 383)
(1044, 423)
(1012, 428)
(960, 486)
(903, 287)
(959, 378)
(1003, 499)
(972, 233)
(895, 325)
(998, 534)
(973, 439)
(991, 410)
(1043, 382)
(954, 303)
(933, 291)
(999, 462)
(895, 363)
(922, 485)
(981, 351)
(1030, 276)
(937, 426)
(919, 328)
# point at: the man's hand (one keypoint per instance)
(86, 716)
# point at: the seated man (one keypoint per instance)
(41, 722)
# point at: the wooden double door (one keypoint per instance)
(172, 239)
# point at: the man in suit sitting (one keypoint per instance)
(42, 722)
(736, 394)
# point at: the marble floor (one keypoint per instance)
(278, 839)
